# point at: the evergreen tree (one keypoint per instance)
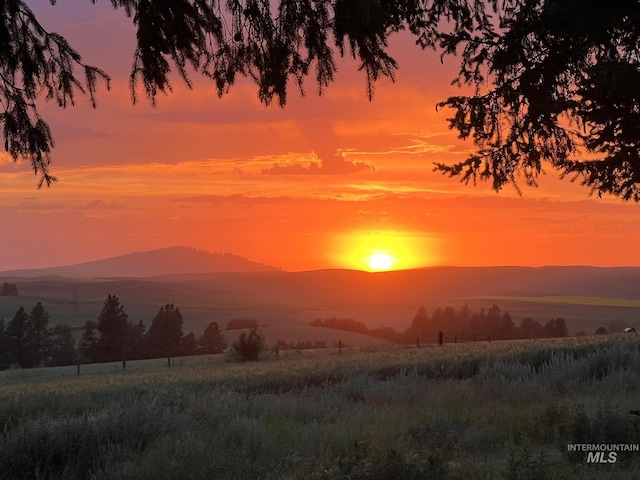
(189, 345)
(529, 328)
(165, 333)
(63, 346)
(137, 340)
(38, 337)
(212, 339)
(88, 348)
(507, 328)
(113, 326)
(555, 328)
(420, 327)
(17, 338)
(249, 345)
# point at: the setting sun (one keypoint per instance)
(380, 261)
(383, 250)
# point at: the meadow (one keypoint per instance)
(500, 410)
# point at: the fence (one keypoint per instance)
(462, 337)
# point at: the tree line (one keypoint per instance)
(494, 322)
(497, 324)
(27, 341)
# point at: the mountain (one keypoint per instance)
(172, 260)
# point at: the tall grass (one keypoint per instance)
(504, 410)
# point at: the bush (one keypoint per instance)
(249, 346)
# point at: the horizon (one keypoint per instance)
(280, 269)
(325, 183)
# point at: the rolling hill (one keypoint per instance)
(172, 260)
(587, 297)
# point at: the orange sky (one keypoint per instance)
(323, 183)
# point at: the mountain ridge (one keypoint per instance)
(169, 260)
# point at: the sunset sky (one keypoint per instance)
(324, 183)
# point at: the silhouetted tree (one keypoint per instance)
(38, 337)
(507, 327)
(88, 346)
(463, 317)
(419, 328)
(113, 326)
(17, 338)
(9, 290)
(249, 345)
(529, 328)
(137, 341)
(547, 76)
(28, 337)
(165, 333)
(601, 331)
(212, 339)
(556, 85)
(63, 351)
(189, 345)
(556, 327)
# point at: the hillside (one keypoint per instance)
(172, 260)
(587, 297)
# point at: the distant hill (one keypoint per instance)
(229, 287)
(172, 260)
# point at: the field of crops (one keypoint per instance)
(500, 410)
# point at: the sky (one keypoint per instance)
(326, 182)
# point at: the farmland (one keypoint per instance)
(587, 298)
(500, 410)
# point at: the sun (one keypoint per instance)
(380, 261)
(381, 251)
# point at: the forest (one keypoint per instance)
(27, 341)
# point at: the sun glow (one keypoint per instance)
(382, 251)
(380, 261)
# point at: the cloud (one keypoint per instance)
(335, 166)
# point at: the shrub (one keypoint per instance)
(249, 345)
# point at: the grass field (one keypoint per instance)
(500, 410)
(566, 299)
(587, 298)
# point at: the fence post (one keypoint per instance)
(417, 343)
(169, 362)
(440, 337)
(340, 347)
(124, 357)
